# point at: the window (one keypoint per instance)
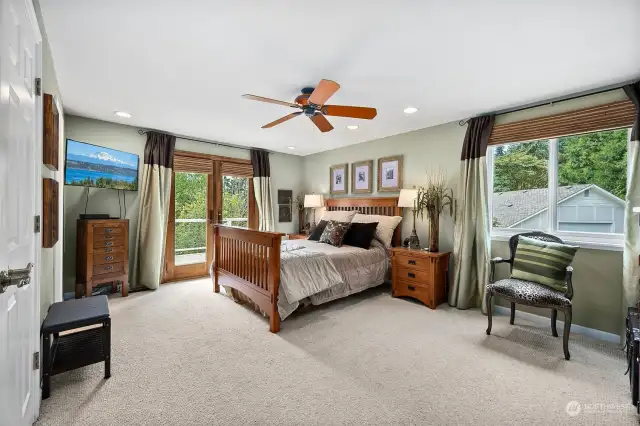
(235, 201)
(572, 186)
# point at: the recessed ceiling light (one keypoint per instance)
(291, 147)
(410, 110)
(122, 114)
(352, 127)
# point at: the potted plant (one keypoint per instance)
(434, 198)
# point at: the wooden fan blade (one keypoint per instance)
(350, 111)
(324, 90)
(282, 120)
(271, 101)
(321, 122)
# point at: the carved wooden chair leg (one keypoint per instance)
(513, 313)
(488, 299)
(554, 316)
(567, 329)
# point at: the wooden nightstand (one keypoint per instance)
(419, 274)
(298, 236)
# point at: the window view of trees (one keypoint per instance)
(594, 158)
(585, 163)
(235, 201)
(191, 213)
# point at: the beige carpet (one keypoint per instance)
(185, 356)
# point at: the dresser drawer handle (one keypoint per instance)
(106, 230)
(412, 288)
(412, 262)
(411, 275)
(108, 250)
(109, 237)
(108, 243)
(108, 258)
(108, 267)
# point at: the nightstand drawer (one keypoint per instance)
(403, 288)
(406, 260)
(418, 276)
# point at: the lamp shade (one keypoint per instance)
(407, 197)
(313, 200)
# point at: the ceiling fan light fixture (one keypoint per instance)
(122, 114)
(352, 127)
(410, 110)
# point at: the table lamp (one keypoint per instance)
(313, 201)
(408, 200)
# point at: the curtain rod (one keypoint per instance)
(551, 101)
(209, 141)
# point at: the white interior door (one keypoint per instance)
(20, 181)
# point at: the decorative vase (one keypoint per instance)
(301, 221)
(434, 232)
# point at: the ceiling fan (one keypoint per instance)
(311, 102)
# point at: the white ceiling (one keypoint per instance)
(181, 66)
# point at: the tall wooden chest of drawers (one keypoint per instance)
(102, 254)
(419, 274)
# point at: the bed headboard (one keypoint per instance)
(384, 206)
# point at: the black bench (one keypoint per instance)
(78, 349)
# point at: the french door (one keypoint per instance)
(205, 190)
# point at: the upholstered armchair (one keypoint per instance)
(531, 293)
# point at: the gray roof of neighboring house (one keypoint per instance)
(512, 207)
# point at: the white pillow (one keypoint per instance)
(385, 228)
(339, 216)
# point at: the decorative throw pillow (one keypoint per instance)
(360, 235)
(385, 228)
(334, 232)
(542, 262)
(317, 231)
(340, 216)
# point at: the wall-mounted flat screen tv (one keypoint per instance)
(100, 167)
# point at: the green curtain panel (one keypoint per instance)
(153, 212)
(471, 249)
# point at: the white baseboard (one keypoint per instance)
(590, 332)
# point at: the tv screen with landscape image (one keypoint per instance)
(100, 167)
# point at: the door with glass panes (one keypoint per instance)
(205, 191)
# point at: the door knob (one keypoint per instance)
(18, 277)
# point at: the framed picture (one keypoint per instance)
(390, 174)
(339, 177)
(361, 177)
(284, 213)
(285, 196)
(285, 205)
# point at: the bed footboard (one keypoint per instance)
(249, 261)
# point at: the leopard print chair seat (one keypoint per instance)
(531, 293)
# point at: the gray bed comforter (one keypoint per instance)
(318, 273)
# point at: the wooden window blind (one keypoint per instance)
(183, 163)
(610, 116)
(236, 169)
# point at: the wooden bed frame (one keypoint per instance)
(249, 260)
